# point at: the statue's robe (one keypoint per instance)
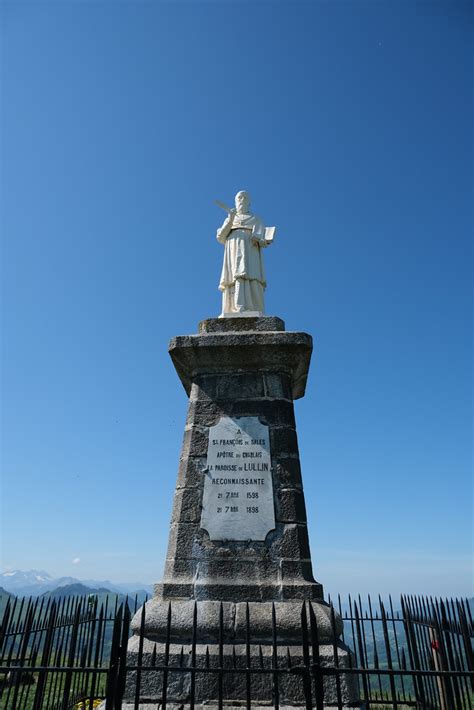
(243, 277)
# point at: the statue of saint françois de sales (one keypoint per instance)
(243, 281)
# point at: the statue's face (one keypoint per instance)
(242, 202)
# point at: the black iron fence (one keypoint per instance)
(72, 653)
(56, 653)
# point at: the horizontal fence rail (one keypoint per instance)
(71, 654)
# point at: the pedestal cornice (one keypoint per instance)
(243, 351)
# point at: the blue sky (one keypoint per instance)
(350, 125)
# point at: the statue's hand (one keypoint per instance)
(231, 216)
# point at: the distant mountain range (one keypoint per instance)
(135, 599)
(37, 582)
(78, 590)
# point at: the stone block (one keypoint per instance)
(207, 413)
(182, 620)
(290, 506)
(302, 590)
(183, 539)
(278, 412)
(296, 571)
(232, 325)
(190, 472)
(283, 440)
(238, 570)
(287, 618)
(287, 615)
(179, 570)
(241, 385)
(251, 550)
(290, 541)
(177, 590)
(190, 541)
(204, 387)
(187, 505)
(238, 592)
(287, 473)
(278, 386)
(195, 442)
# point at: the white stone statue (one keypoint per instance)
(243, 277)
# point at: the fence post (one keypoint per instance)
(466, 642)
(388, 653)
(138, 677)
(444, 650)
(98, 641)
(5, 624)
(413, 651)
(306, 659)
(122, 670)
(38, 700)
(71, 657)
(438, 666)
(112, 674)
(23, 651)
(276, 689)
(318, 673)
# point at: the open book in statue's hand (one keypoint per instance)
(269, 234)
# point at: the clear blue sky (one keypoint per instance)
(350, 125)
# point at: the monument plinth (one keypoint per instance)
(241, 384)
(239, 529)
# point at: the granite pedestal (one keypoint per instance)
(239, 371)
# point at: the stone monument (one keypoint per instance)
(238, 530)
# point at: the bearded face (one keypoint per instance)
(242, 202)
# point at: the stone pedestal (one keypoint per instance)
(237, 370)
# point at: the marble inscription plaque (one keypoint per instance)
(238, 488)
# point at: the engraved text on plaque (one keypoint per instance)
(238, 488)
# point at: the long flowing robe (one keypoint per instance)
(243, 276)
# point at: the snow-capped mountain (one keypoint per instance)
(16, 580)
(36, 582)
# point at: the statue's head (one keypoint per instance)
(242, 202)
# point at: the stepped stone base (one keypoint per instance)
(234, 621)
(234, 685)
